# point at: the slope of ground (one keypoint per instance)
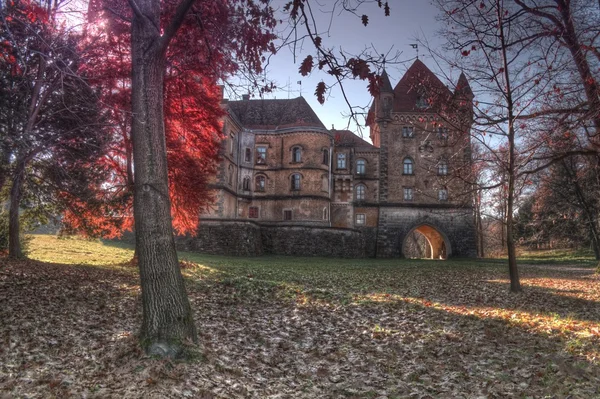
(279, 327)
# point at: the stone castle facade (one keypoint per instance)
(288, 185)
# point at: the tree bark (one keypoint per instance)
(14, 226)
(167, 315)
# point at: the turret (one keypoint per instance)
(385, 101)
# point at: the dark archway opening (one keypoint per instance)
(425, 242)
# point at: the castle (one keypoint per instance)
(288, 185)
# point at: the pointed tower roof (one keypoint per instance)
(419, 82)
(386, 85)
(462, 87)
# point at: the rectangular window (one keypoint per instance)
(248, 157)
(341, 161)
(361, 219)
(408, 131)
(408, 194)
(287, 214)
(261, 155)
(443, 195)
(253, 212)
(360, 167)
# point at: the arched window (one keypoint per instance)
(361, 167)
(443, 194)
(296, 154)
(325, 157)
(295, 180)
(259, 183)
(325, 214)
(360, 192)
(246, 184)
(442, 168)
(408, 166)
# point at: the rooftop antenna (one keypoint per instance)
(416, 47)
(300, 84)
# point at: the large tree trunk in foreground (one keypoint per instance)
(14, 226)
(167, 315)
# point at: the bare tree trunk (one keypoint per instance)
(167, 315)
(515, 284)
(14, 226)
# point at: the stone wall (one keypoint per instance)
(242, 238)
(313, 241)
(224, 237)
(454, 224)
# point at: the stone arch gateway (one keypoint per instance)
(438, 245)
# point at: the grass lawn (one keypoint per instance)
(283, 327)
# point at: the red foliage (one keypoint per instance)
(214, 40)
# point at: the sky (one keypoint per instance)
(409, 19)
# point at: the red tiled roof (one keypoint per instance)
(419, 81)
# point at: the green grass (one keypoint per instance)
(77, 250)
(558, 256)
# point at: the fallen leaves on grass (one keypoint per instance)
(271, 329)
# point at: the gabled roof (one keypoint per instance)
(272, 114)
(346, 138)
(419, 81)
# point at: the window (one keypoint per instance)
(296, 154)
(442, 168)
(422, 102)
(408, 194)
(295, 180)
(261, 155)
(287, 214)
(325, 214)
(246, 184)
(341, 161)
(442, 133)
(231, 143)
(253, 212)
(443, 194)
(408, 166)
(259, 184)
(408, 131)
(248, 157)
(359, 192)
(230, 175)
(360, 167)
(360, 219)
(325, 157)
